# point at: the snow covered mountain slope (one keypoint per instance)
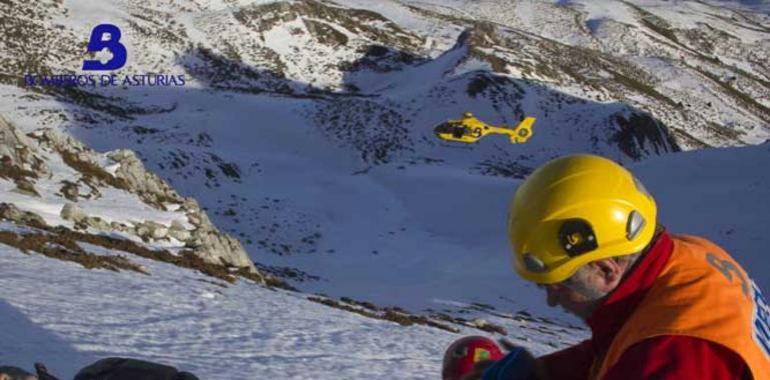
(304, 131)
(66, 316)
(100, 258)
(330, 170)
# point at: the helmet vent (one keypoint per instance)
(635, 225)
(533, 264)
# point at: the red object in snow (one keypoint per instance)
(464, 353)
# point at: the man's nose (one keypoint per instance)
(552, 295)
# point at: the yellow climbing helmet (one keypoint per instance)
(574, 210)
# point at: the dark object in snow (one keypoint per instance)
(131, 369)
(14, 373)
(42, 372)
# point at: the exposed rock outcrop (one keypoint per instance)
(10, 212)
(206, 240)
(17, 150)
(148, 185)
(24, 160)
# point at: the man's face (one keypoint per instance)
(570, 300)
(585, 291)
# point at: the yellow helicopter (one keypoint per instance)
(469, 129)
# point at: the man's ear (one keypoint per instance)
(610, 272)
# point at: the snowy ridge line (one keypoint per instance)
(403, 317)
(451, 319)
(637, 43)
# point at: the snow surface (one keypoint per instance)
(67, 317)
(442, 35)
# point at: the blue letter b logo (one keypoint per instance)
(95, 44)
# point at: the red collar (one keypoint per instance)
(608, 318)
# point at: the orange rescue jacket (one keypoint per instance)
(703, 293)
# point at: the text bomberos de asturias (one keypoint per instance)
(105, 80)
